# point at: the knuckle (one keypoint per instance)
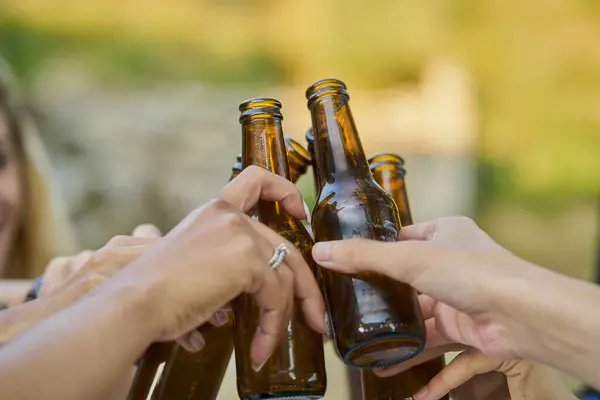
(245, 244)
(254, 170)
(57, 263)
(100, 257)
(217, 205)
(233, 221)
(119, 240)
(93, 279)
(464, 220)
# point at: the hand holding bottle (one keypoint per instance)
(523, 380)
(483, 296)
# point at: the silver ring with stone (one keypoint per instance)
(278, 255)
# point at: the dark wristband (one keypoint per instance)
(35, 289)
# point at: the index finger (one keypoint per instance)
(420, 231)
(255, 183)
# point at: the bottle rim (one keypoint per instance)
(310, 138)
(326, 87)
(260, 107)
(387, 160)
(297, 150)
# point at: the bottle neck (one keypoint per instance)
(263, 145)
(391, 178)
(338, 151)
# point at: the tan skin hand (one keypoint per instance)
(525, 380)
(478, 296)
(175, 285)
(210, 242)
(69, 278)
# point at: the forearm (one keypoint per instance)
(561, 327)
(13, 291)
(96, 340)
(17, 319)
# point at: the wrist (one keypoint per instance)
(137, 304)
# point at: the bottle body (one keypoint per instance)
(376, 321)
(389, 172)
(167, 371)
(402, 386)
(310, 141)
(296, 369)
(148, 383)
(198, 376)
(298, 157)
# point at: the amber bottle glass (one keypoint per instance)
(298, 158)
(198, 376)
(375, 321)
(167, 371)
(388, 170)
(296, 369)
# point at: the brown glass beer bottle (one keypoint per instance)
(237, 167)
(298, 158)
(388, 170)
(296, 369)
(310, 141)
(376, 321)
(198, 376)
(151, 371)
(167, 371)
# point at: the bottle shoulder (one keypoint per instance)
(359, 209)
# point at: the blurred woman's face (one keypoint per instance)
(11, 190)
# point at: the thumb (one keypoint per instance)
(411, 262)
(146, 231)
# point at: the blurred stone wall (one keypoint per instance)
(128, 156)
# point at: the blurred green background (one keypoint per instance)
(534, 66)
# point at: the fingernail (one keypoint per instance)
(258, 367)
(221, 318)
(196, 340)
(321, 252)
(328, 329)
(421, 394)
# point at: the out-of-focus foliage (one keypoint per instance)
(535, 63)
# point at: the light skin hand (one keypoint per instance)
(80, 274)
(525, 380)
(175, 286)
(482, 295)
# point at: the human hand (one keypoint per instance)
(471, 286)
(215, 254)
(466, 375)
(87, 269)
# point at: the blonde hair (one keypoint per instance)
(45, 231)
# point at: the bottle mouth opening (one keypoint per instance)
(324, 88)
(310, 138)
(260, 107)
(237, 167)
(388, 161)
(296, 150)
(238, 158)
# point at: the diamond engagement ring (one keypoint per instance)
(278, 255)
